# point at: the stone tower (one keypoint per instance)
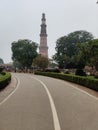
(43, 49)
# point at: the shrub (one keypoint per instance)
(1, 69)
(85, 81)
(4, 80)
(2, 73)
(53, 70)
(80, 72)
(96, 75)
(66, 72)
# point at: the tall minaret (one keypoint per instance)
(43, 49)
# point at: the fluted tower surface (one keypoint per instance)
(43, 49)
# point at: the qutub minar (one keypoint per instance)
(43, 48)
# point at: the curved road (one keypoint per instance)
(43, 103)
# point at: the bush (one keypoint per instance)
(96, 75)
(1, 69)
(85, 81)
(4, 80)
(80, 72)
(53, 70)
(66, 72)
(2, 73)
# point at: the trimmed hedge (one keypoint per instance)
(4, 80)
(85, 81)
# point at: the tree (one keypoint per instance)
(93, 53)
(88, 54)
(80, 36)
(66, 48)
(16, 64)
(1, 61)
(23, 52)
(41, 62)
(83, 54)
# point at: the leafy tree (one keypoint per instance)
(1, 61)
(1, 67)
(23, 52)
(41, 62)
(93, 53)
(16, 64)
(80, 36)
(66, 48)
(88, 53)
(83, 55)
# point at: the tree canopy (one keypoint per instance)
(88, 53)
(41, 62)
(1, 61)
(80, 36)
(23, 52)
(67, 50)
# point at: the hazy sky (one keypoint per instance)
(21, 19)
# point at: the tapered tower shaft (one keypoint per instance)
(43, 49)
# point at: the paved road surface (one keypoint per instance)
(43, 103)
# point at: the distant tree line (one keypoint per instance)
(75, 50)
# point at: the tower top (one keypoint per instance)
(43, 19)
(43, 26)
(43, 16)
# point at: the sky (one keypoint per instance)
(21, 19)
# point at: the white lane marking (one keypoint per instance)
(79, 89)
(11, 93)
(53, 108)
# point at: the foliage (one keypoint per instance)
(83, 55)
(41, 62)
(80, 36)
(4, 80)
(1, 61)
(1, 68)
(66, 48)
(88, 53)
(80, 72)
(17, 65)
(82, 80)
(93, 53)
(24, 51)
(53, 70)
